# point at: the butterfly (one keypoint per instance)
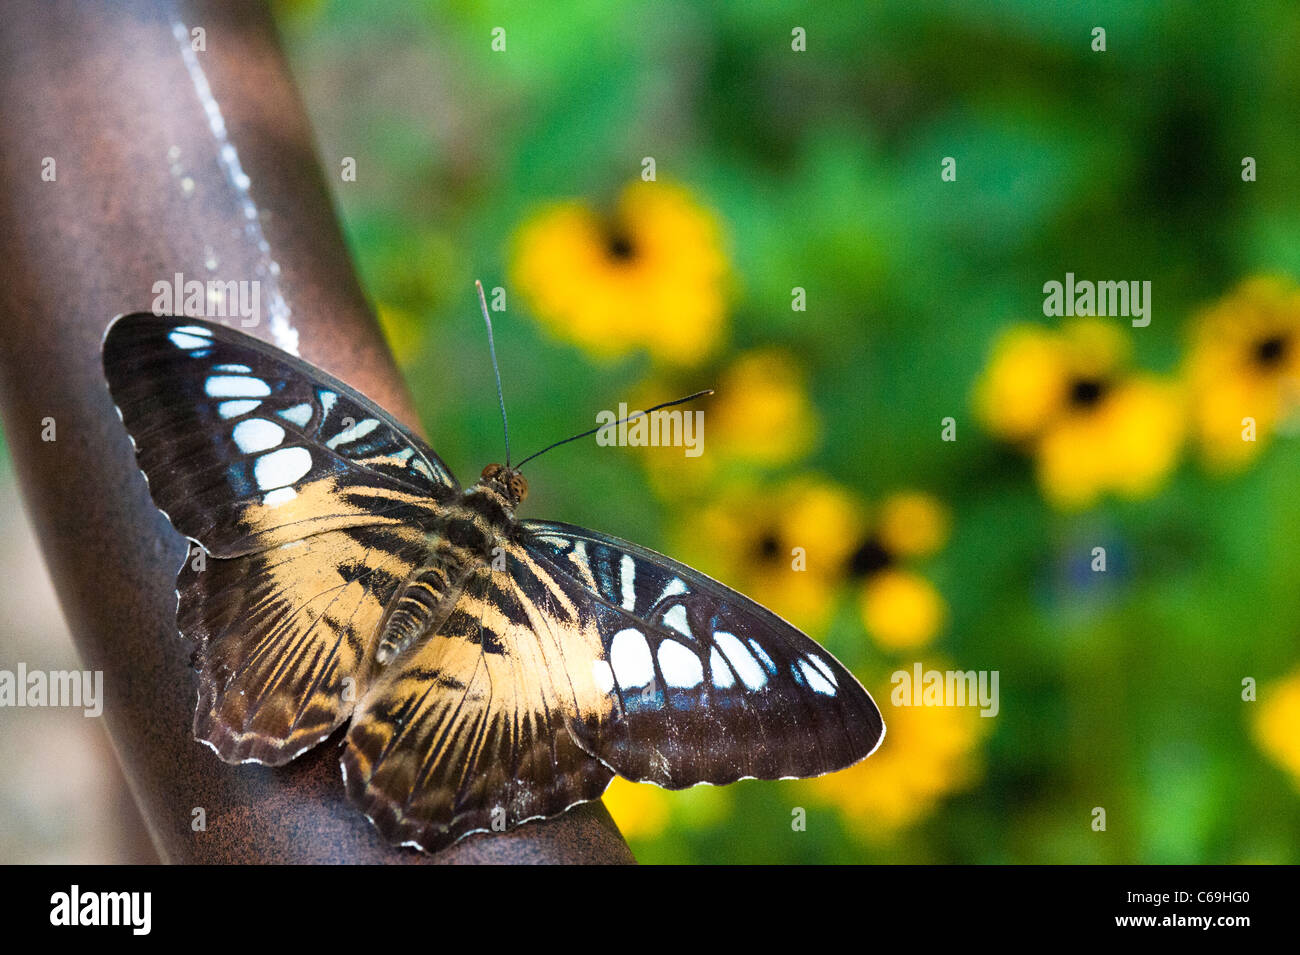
(490, 670)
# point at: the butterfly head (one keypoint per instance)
(507, 481)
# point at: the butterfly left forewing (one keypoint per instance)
(311, 506)
(705, 685)
(245, 447)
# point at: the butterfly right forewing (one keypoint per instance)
(706, 685)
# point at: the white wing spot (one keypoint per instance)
(822, 665)
(327, 399)
(675, 587)
(815, 679)
(233, 409)
(680, 667)
(676, 618)
(194, 330)
(279, 496)
(630, 657)
(741, 660)
(281, 468)
(298, 414)
(257, 434)
(357, 431)
(762, 655)
(602, 675)
(181, 340)
(723, 678)
(240, 369)
(627, 571)
(231, 386)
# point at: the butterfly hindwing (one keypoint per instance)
(287, 635)
(705, 684)
(246, 447)
(474, 729)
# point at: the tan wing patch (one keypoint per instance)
(286, 637)
(470, 729)
(319, 506)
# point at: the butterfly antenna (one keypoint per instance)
(635, 414)
(492, 348)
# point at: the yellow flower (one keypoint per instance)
(928, 752)
(901, 610)
(760, 414)
(1244, 363)
(641, 810)
(912, 524)
(1021, 390)
(401, 330)
(785, 547)
(793, 548)
(1277, 724)
(1127, 442)
(1092, 424)
(652, 275)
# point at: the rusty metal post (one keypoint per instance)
(114, 178)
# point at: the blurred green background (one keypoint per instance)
(821, 169)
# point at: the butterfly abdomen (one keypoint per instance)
(465, 540)
(424, 601)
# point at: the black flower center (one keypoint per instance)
(1086, 392)
(1271, 351)
(870, 558)
(619, 247)
(768, 546)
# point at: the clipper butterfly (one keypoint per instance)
(490, 670)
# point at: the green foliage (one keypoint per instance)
(1120, 690)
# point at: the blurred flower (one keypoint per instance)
(928, 752)
(1070, 399)
(760, 414)
(913, 524)
(785, 547)
(640, 809)
(401, 330)
(761, 411)
(1245, 363)
(653, 275)
(901, 609)
(1277, 724)
(794, 547)
(1022, 387)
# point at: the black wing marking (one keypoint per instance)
(246, 447)
(707, 686)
